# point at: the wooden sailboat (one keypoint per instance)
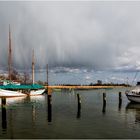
(37, 91)
(16, 90)
(5, 92)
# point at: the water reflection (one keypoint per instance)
(135, 108)
(34, 99)
(120, 104)
(79, 110)
(104, 103)
(49, 97)
(6, 102)
(13, 100)
(11, 105)
(78, 106)
(33, 102)
(4, 118)
(104, 107)
(120, 101)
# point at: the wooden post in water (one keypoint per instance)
(49, 105)
(104, 97)
(4, 118)
(3, 102)
(120, 100)
(104, 103)
(79, 106)
(120, 96)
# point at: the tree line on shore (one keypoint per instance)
(98, 83)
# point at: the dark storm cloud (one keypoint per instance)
(99, 35)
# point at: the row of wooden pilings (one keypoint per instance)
(79, 104)
(104, 102)
(49, 102)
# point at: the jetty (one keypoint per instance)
(81, 87)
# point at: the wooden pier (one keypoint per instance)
(82, 87)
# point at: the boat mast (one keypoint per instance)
(9, 55)
(33, 67)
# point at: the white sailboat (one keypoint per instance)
(37, 91)
(10, 93)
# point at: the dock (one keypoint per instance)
(81, 87)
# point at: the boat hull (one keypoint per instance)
(9, 93)
(36, 92)
(133, 98)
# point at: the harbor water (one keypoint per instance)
(30, 117)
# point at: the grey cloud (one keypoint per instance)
(73, 34)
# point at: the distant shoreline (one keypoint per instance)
(84, 87)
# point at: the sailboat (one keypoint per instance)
(38, 90)
(3, 91)
(12, 89)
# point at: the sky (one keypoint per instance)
(97, 35)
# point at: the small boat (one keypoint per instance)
(134, 94)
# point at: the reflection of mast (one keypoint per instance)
(33, 113)
(33, 67)
(9, 55)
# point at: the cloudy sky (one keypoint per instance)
(96, 35)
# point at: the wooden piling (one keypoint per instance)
(79, 100)
(3, 101)
(120, 96)
(49, 91)
(120, 100)
(104, 97)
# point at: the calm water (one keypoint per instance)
(29, 117)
